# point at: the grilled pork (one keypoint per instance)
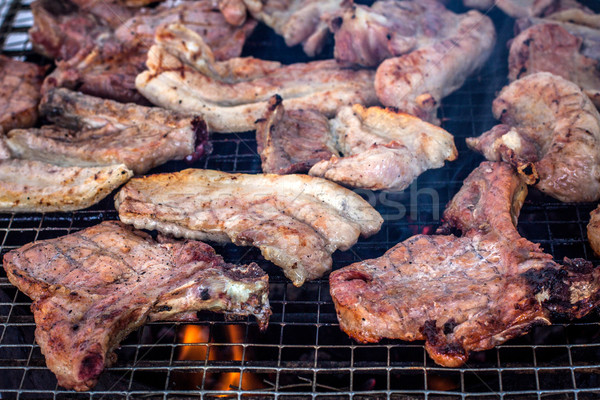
(90, 289)
(20, 82)
(33, 186)
(231, 95)
(416, 82)
(89, 131)
(383, 149)
(593, 230)
(550, 130)
(464, 293)
(296, 221)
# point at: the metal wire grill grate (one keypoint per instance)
(304, 354)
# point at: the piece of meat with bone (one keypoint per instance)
(383, 149)
(551, 134)
(89, 131)
(593, 230)
(464, 293)
(298, 21)
(20, 84)
(91, 288)
(416, 82)
(296, 221)
(551, 48)
(292, 141)
(231, 95)
(389, 28)
(34, 186)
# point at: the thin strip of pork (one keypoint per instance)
(20, 84)
(551, 131)
(292, 141)
(296, 221)
(90, 289)
(231, 95)
(551, 48)
(33, 186)
(467, 293)
(90, 132)
(298, 21)
(368, 35)
(383, 149)
(416, 82)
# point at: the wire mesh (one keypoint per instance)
(303, 354)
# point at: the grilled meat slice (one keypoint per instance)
(551, 48)
(554, 117)
(416, 82)
(593, 230)
(90, 131)
(294, 140)
(298, 21)
(20, 82)
(231, 95)
(90, 289)
(383, 149)
(33, 186)
(234, 11)
(466, 293)
(295, 220)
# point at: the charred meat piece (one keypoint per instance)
(20, 82)
(298, 21)
(551, 48)
(467, 293)
(295, 220)
(90, 289)
(416, 82)
(292, 141)
(593, 230)
(389, 28)
(551, 133)
(89, 131)
(383, 149)
(231, 95)
(33, 186)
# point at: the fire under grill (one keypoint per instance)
(303, 354)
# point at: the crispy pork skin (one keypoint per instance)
(90, 289)
(416, 82)
(89, 131)
(550, 131)
(292, 141)
(551, 48)
(231, 95)
(296, 221)
(20, 82)
(466, 293)
(383, 149)
(33, 186)
(593, 230)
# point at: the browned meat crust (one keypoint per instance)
(296, 221)
(90, 289)
(292, 141)
(551, 48)
(20, 84)
(466, 293)
(90, 131)
(593, 230)
(555, 132)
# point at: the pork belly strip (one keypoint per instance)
(383, 149)
(467, 293)
(231, 95)
(416, 82)
(296, 221)
(550, 125)
(90, 289)
(89, 131)
(551, 48)
(292, 141)
(20, 84)
(33, 186)
(593, 230)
